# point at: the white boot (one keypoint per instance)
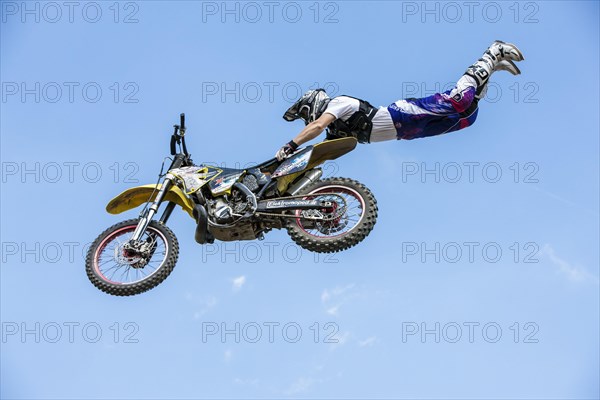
(498, 57)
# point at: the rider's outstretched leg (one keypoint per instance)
(456, 108)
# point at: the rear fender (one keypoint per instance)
(133, 197)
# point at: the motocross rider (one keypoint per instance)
(407, 119)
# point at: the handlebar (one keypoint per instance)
(178, 137)
(182, 123)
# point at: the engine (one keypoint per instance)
(227, 212)
(225, 222)
(228, 208)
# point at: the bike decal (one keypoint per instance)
(296, 163)
(224, 183)
(291, 203)
(193, 178)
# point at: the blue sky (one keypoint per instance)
(99, 120)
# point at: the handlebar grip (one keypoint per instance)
(182, 121)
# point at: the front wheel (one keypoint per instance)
(114, 267)
(347, 222)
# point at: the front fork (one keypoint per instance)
(152, 210)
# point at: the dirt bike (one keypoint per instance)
(320, 215)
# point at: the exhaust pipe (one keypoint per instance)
(308, 178)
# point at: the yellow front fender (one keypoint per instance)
(131, 198)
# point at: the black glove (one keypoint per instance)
(286, 150)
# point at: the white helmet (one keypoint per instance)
(309, 107)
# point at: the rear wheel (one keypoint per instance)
(346, 222)
(117, 268)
